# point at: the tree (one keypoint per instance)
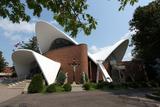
(31, 44)
(146, 23)
(70, 14)
(146, 40)
(3, 63)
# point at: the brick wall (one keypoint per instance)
(66, 55)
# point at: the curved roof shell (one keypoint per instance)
(118, 49)
(46, 34)
(24, 58)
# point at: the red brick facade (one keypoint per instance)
(134, 68)
(66, 55)
(8, 70)
(133, 71)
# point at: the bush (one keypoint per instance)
(61, 77)
(67, 87)
(93, 85)
(101, 85)
(87, 86)
(51, 88)
(111, 86)
(36, 84)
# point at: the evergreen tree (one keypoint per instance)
(3, 63)
(146, 23)
(31, 44)
(146, 40)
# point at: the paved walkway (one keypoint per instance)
(7, 93)
(75, 99)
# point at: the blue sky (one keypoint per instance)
(112, 26)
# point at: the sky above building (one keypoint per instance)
(113, 25)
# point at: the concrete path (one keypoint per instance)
(75, 99)
(7, 93)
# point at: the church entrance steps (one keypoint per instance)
(77, 87)
(19, 84)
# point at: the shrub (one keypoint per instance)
(67, 87)
(101, 85)
(87, 86)
(110, 85)
(93, 85)
(36, 84)
(61, 77)
(51, 88)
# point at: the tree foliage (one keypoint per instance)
(3, 63)
(70, 14)
(125, 2)
(146, 23)
(32, 44)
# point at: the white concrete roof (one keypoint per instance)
(107, 51)
(24, 58)
(47, 33)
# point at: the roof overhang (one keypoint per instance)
(23, 61)
(117, 49)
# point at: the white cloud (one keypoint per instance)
(93, 49)
(22, 31)
(16, 37)
(16, 31)
(8, 26)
